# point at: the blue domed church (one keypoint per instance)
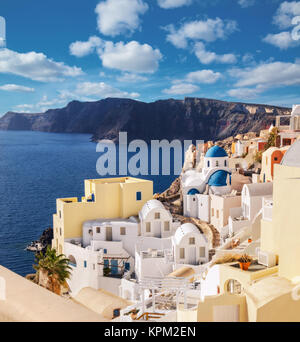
(214, 179)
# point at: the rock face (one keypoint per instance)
(191, 118)
(44, 241)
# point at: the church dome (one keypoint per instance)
(216, 152)
(218, 178)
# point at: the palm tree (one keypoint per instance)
(55, 268)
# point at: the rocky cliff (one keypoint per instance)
(191, 118)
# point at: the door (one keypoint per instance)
(156, 225)
(108, 233)
(226, 313)
(114, 267)
(191, 255)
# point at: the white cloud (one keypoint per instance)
(283, 40)
(245, 93)
(35, 66)
(166, 4)
(286, 12)
(24, 108)
(131, 78)
(208, 30)
(207, 57)
(133, 57)
(41, 106)
(81, 49)
(273, 74)
(16, 87)
(256, 80)
(246, 3)
(84, 91)
(248, 58)
(187, 84)
(119, 16)
(181, 89)
(101, 90)
(203, 76)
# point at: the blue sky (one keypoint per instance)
(236, 50)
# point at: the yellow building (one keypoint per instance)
(105, 198)
(263, 293)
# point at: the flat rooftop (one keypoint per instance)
(117, 180)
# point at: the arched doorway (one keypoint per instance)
(233, 287)
(72, 261)
(193, 192)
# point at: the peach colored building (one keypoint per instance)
(271, 157)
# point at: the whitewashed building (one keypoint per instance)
(157, 258)
(156, 220)
(208, 195)
(215, 178)
(190, 246)
(252, 203)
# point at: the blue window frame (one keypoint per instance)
(106, 263)
(138, 196)
(85, 264)
(105, 251)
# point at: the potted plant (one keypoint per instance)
(245, 262)
(106, 271)
(134, 314)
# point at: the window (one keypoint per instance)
(98, 230)
(192, 241)
(105, 251)
(157, 216)
(60, 214)
(208, 163)
(275, 158)
(202, 252)
(91, 232)
(138, 196)
(182, 253)
(148, 227)
(60, 231)
(122, 231)
(85, 264)
(217, 163)
(167, 226)
(212, 212)
(116, 313)
(225, 163)
(94, 267)
(218, 214)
